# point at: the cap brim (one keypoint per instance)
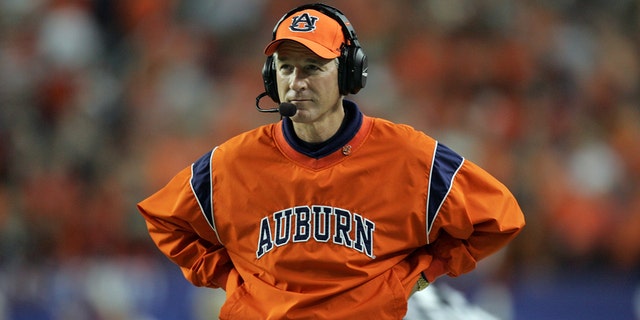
(313, 46)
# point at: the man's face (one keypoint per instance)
(308, 81)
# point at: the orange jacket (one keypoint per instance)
(344, 236)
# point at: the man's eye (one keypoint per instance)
(312, 67)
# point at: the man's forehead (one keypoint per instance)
(292, 49)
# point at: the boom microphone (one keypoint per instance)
(286, 109)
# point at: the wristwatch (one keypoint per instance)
(422, 282)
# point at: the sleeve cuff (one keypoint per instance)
(436, 269)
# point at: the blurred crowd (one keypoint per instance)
(103, 101)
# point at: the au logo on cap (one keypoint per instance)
(303, 23)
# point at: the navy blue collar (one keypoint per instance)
(348, 129)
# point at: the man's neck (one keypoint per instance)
(321, 130)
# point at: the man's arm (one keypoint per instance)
(478, 217)
(178, 228)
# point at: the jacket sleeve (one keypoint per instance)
(473, 215)
(176, 224)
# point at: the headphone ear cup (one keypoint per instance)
(269, 79)
(360, 69)
(353, 70)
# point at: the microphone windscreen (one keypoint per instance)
(287, 109)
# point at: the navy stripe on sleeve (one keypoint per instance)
(446, 164)
(201, 186)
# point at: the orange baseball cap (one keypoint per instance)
(320, 33)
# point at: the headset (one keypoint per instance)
(352, 66)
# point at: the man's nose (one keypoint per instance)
(298, 81)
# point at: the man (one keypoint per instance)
(327, 214)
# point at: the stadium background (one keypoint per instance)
(102, 101)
